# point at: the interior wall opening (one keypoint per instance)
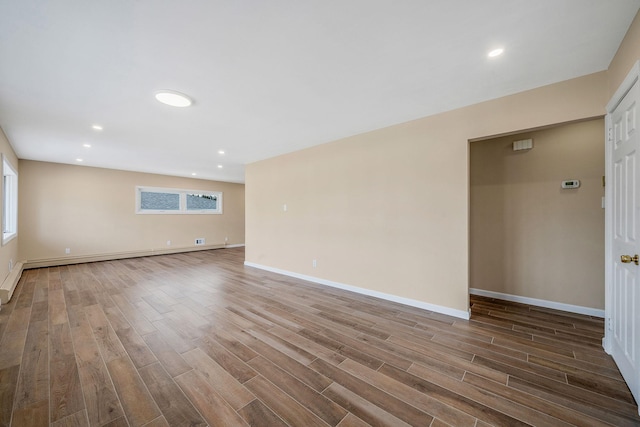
(531, 240)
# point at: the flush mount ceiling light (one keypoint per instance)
(96, 127)
(495, 52)
(173, 98)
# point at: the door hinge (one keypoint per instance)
(610, 134)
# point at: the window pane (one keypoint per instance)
(7, 205)
(159, 201)
(10, 202)
(201, 201)
(152, 200)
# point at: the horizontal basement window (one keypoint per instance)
(153, 200)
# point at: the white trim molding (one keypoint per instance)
(10, 282)
(588, 311)
(363, 291)
(625, 86)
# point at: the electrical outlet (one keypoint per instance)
(67, 250)
(200, 241)
(315, 263)
(168, 242)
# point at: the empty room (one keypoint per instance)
(358, 213)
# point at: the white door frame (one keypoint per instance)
(628, 82)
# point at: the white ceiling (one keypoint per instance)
(271, 77)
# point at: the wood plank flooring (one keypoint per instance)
(200, 339)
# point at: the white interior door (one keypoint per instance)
(623, 288)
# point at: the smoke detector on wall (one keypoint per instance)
(523, 144)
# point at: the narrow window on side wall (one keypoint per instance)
(9, 201)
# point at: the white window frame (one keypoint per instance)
(183, 201)
(9, 201)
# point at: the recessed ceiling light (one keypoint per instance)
(86, 145)
(221, 152)
(193, 174)
(96, 127)
(219, 166)
(175, 99)
(496, 52)
(78, 160)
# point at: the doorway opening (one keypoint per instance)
(531, 240)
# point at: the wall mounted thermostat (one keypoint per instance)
(572, 183)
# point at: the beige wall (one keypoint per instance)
(529, 237)
(388, 210)
(8, 252)
(92, 212)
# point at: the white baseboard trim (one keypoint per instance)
(540, 302)
(10, 282)
(79, 259)
(389, 297)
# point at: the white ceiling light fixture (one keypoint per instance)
(219, 166)
(221, 152)
(96, 127)
(173, 98)
(86, 145)
(78, 160)
(495, 52)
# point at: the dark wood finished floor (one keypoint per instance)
(196, 339)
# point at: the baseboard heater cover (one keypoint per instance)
(10, 282)
(79, 259)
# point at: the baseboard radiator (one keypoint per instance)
(10, 283)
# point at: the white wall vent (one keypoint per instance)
(523, 144)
